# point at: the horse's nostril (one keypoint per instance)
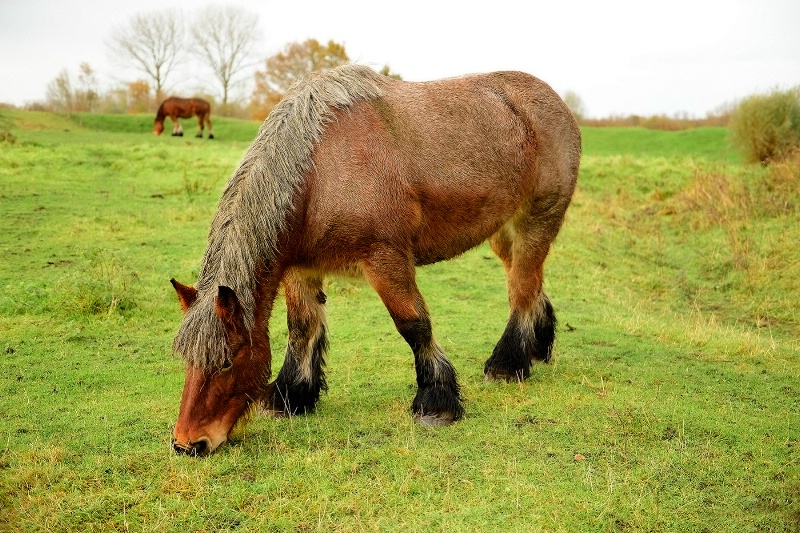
(200, 447)
(178, 447)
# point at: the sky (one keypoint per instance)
(620, 57)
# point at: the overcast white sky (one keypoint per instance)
(619, 56)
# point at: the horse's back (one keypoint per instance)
(175, 106)
(494, 130)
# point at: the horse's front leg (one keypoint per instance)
(302, 377)
(177, 130)
(438, 400)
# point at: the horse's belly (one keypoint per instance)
(450, 228)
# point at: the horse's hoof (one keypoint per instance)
(435, 420)
(273, 413)
(269, 411)
(210, 135)
(500, 375)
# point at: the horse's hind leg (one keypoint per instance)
(530, 332)
(302, 377)
(438, 399)
(210, 129)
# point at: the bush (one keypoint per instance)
(766, 127)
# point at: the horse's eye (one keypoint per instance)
(227, 364)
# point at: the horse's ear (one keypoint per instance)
(186, 294)
(230, 310)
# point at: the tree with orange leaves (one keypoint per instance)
(292, 64)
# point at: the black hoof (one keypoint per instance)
(521, 345)
(269, 411)
(437, 405)
(291, 399)
(498, 374)
(199, 135)
(435, 420)
(510, 362)
(210, 135)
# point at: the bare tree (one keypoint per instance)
(60, 96)
(154, 43)
(225, 38)
(87, 96)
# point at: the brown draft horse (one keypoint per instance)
(357, 173)
(175, 108)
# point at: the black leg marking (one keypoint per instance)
(292, 393)
(524, 341)
(297, 388)
(438, 401)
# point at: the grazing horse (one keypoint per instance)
(175, 108)
(360, 174)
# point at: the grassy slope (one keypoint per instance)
(674, 377)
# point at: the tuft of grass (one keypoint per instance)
(104, 288)
(7, 137)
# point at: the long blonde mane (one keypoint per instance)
(257, 199)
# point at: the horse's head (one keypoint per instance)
(215, 396)
(158, 127)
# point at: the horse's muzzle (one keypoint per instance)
(195, 449)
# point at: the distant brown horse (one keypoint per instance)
(361, 174)
(176, 108)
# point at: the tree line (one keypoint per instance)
(222, 41)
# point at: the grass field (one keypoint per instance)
(672, 403)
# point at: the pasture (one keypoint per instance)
(672, 402)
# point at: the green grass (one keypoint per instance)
(701, 143)
(672, 403)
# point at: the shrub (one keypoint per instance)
(766, 127)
